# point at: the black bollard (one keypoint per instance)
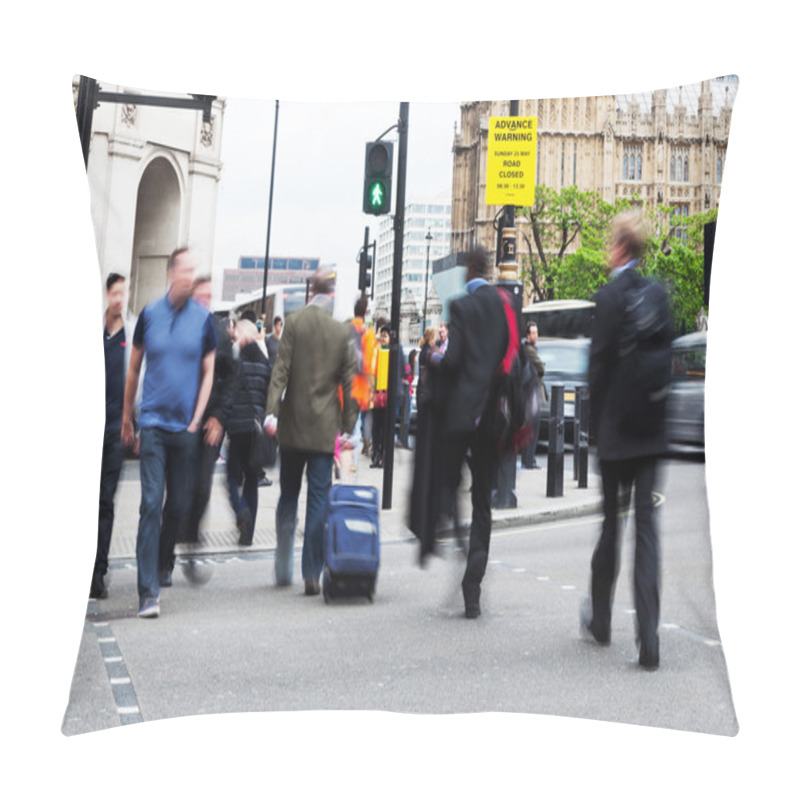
(555, 443)
(581, 436)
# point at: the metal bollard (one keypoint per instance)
(581, 436)
(555, 444)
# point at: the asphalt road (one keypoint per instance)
(238, 643)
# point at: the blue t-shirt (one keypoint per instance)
(175, 342)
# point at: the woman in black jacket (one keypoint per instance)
(247, 416)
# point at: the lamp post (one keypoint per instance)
(428, 239)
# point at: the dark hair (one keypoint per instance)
(248, 313)
(529, 326)
(113, 277)
(412, 359)
(276, 321)
(477, 263)
(385, 328)
(360, 307)
(199, 280)
(174, 254)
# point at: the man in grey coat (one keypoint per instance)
(314, 369)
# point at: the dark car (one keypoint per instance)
(565, 361)
(687, 395)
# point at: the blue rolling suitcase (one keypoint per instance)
(351, 542)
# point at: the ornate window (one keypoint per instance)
(632, 163)
(679, 165)
(679, 211)
(720, 164)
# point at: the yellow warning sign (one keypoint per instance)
(511, 161)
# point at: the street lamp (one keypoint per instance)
(428, 239)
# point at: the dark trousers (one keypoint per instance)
(619, 476)
(379, 417)
(166, 460)
(240, 474)
(171, 532)
(529, 451)
(111, 466)
(482, 463)
(318, 467)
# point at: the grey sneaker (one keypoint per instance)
(148, 609)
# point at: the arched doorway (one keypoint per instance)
(156, 232)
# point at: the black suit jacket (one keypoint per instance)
(477, 343)
(614, 441)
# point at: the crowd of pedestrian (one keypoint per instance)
(182, 381)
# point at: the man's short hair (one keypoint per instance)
(529, 326)
(276, 321)
(360, 308)
(323, 280)
(478, 264)
(386, 329)
(199, 280)
(174, 254)
(113, 277)
(627, 230)
(248, 314)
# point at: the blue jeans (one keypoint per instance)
(166, 460)
(318, 468)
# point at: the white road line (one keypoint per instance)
(112, 659)
(119, 681)
(126, 710)
(106, 639)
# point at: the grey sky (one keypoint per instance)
(318, 174)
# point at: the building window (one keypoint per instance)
(632, 163)
(679, 165)
(679, 211)
(562, 163)
(720, 164)
(575, 164)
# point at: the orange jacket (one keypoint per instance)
(361, 389)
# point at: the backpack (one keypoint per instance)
(644, 358)
(516, 398)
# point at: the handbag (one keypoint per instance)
(259, 447)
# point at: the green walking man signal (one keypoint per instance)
(378, 178)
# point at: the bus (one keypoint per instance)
(560, 319)
(281, 301)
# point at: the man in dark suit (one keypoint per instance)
(628, 454)
(477, 342)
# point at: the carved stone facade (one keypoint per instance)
(667, 146)
(153, 176)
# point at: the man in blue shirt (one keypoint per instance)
(176, 336)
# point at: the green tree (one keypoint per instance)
(559, 220)
(567, 249)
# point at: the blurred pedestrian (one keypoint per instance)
(442, 341)
(315, 363)
(426, 488)
(380, 415)
(476, 345)
(176, 336)
(364, 346)
(407, 389)
(628, 379)
(245, 429)
(529, 346)
(116, 345)
(273, 341)
(212, 431)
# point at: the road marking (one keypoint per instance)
(125, 700)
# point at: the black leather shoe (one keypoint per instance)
(648, 655)
(587, 631)
(98, 590)
(312, 587)
(472, 611)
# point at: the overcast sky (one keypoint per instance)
(319, 171)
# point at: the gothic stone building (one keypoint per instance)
(667, 146)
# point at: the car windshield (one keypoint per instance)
(563, 359)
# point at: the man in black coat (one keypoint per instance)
(477, 342)
(628, 453)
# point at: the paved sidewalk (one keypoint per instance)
(218, 528)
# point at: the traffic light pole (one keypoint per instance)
(394, 345)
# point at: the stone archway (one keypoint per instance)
(156, 231)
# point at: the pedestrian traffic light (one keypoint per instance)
(378, 178)
(364, 271)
